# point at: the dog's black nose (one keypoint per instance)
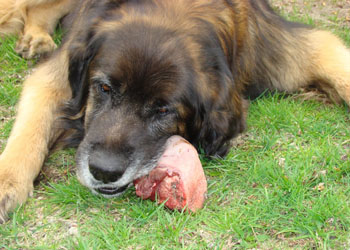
(106, 166)
(101, 174)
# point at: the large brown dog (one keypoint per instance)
(132, 73)
(34, 21)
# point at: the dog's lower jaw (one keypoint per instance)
(110, 192)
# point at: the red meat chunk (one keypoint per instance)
(178, 178)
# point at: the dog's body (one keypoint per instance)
(132, 73)
(34, 21)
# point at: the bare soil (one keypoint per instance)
(329, 12)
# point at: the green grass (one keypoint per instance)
(285, 186)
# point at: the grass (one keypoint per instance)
(285, 186)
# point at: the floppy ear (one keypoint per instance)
(223, 114)
(80, 57)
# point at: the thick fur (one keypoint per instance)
(132, 73)
(34, 21)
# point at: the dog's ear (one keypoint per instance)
(222, 111)
(80, 56)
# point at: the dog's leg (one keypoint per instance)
(330, 64)
(11, 18)
(40, 22)
(20, 163)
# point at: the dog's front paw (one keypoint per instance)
(13, 191)
(32, 44)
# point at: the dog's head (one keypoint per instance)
(138, 83)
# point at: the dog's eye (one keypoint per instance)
(163, 111)
(105, 88)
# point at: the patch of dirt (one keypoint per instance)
(56, 169)
(331, 13)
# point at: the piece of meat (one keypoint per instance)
(178, 178)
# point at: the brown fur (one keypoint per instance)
(34, 21)
(255, 51)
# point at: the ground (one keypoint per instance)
(285, 185)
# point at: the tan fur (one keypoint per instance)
(325, 63)
(330, 64)
(33, 132)
(34, 21)
(11, 18)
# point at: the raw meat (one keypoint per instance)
(178, 178)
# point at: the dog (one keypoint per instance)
(34, 21)
(131, 73)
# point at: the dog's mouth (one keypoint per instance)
(110, 191)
